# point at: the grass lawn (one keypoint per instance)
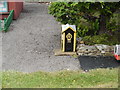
(98, 78)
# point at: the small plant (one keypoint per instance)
(95, 27)
(112, 27)
(82, 31)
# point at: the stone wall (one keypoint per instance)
(95, 50)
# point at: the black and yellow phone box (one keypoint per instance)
(68, 38)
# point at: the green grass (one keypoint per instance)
(99, 78)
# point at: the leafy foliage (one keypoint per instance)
(73, 12)
(113, 26)
(101, 39)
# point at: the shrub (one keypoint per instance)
(101, 39)
(86, 16)
(67, 13)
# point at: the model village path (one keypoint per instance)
(29, 45)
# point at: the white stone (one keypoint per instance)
(102, 52)
(80, 53)
(68, 69)
(102, 47)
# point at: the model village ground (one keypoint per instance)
(29, 45)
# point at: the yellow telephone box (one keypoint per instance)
(68, 38)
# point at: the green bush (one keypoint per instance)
(101, 39)
(85, 15)
(68, 13)
(113, 25)
(64, 12)
(82, 30)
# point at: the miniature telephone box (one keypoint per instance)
(68, 38)
(117, 52)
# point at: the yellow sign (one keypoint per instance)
(69, 37)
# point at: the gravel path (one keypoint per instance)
(30, 43)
